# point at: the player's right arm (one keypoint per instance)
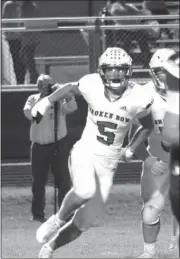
(83, 86)
(59, 94)
(63, 92)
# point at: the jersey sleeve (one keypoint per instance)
(84, 84)
(87, 84)
(145, 102)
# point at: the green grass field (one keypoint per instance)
(116, 234)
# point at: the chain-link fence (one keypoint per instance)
(31, 47)
(64, 54)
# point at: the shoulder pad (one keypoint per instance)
(89, 82)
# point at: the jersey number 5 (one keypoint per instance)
(108, 137)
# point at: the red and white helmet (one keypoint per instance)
(118, 61)
(157, 69)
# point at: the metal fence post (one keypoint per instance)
(94, 46)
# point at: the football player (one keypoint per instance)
(113, 102)
(155, 172)
(171, 129)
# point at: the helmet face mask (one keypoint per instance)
(160, 80)
(115, 78)
(157, 71)
(115, 69)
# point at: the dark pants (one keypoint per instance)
(23, 61)
(43, 159)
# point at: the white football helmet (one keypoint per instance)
(157, 71)
(115, 69)
(172, 68)
(172, 65)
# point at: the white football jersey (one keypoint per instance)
(158, 109)
(108, 122)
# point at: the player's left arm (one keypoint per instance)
(143, 132)
(144, 115)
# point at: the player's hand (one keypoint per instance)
(126, 155)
